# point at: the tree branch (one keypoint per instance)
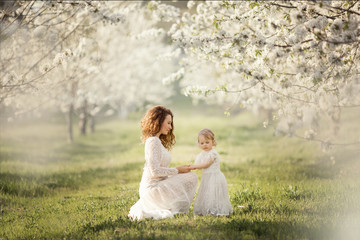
(346, 10)
(280, 5)
(284, 95)
(62, 40)
(326, 142)
(287, 45)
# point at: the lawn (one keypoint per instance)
(279, 187)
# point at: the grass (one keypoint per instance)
(280, 187)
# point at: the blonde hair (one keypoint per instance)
(208, 134)
(151, 125)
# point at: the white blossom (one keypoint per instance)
(45, 68)
(309, 134)
(173, 77)
(39, 31)
(349, 36)
(59, 59)
(298, 16)
(313, 23)
(337, 26)
(190, 4)
(195, 90)
(150, 33)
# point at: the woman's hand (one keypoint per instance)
(193, 167)
(183, 168)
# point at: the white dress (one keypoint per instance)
(163, 192)
(212, 197)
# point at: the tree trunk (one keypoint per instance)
(92, 123)
(336, 117)
(83, 119)
(69, 121)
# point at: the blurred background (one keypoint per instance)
(76, 79)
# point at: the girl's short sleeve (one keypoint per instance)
(213, 156)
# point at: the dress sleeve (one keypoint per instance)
(210, 157)
(213, 156)
(154, 158)
(205, 157)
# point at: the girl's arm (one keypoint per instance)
(206, 164)
(202, 165)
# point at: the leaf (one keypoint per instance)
(252, 5)
(221, 87)
(271, 71)
(287, 17)
(258, 52)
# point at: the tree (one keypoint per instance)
(298, 57)
(36, 40)
(87, 62)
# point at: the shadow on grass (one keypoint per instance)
(284, 171)
(217, 228)
(66, 153)
(29, 185)
(56, 150)
(81, 151)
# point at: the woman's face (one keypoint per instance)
(166, 125)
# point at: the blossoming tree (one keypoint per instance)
(74, 56)
(299, 58)
(37, 41)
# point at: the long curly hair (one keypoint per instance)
(151, 125)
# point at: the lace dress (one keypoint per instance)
(163, 192)
(212, 197)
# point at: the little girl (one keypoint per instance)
(212, 197)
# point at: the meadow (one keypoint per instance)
(279, 187)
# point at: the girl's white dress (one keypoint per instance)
(212, 197)
(163, 192)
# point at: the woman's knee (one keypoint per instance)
(192, 177)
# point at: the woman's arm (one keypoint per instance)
(184, 168)
(154, 160)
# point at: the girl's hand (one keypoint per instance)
(183, 168)
(192, 167)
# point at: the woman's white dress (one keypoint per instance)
(163, 192)
(212, 197)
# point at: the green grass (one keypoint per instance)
(280, 187)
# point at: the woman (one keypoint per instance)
(163, 191)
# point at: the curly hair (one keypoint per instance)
(208, 134)
(151, 125)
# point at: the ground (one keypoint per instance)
(279, 187)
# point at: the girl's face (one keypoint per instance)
(205, 144)
(166, 126)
